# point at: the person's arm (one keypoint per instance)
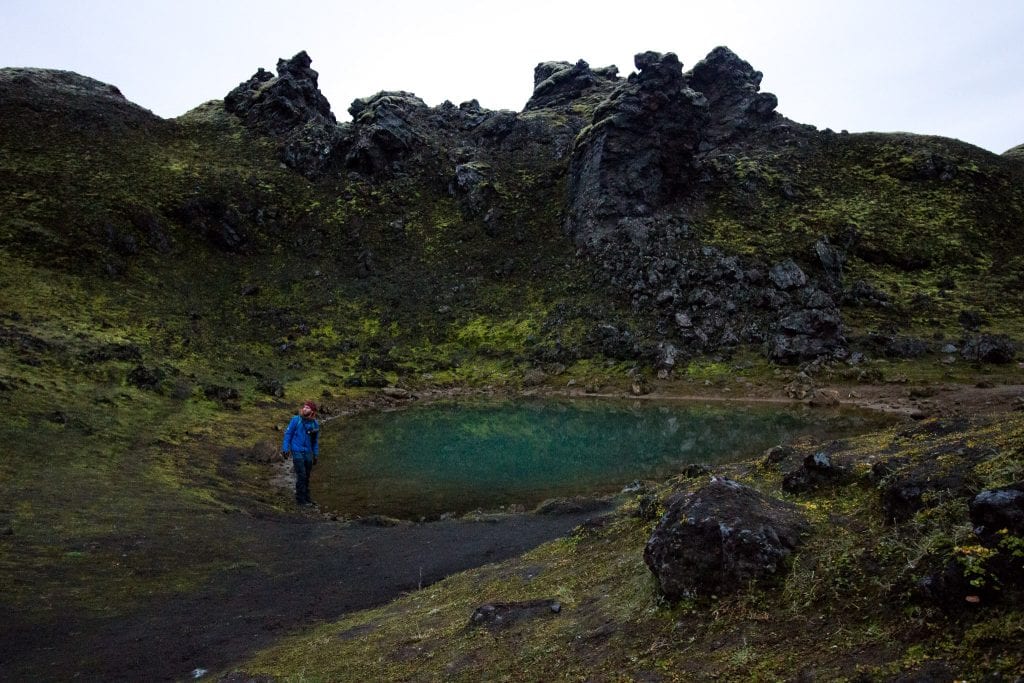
(316, 442)
(287, 437)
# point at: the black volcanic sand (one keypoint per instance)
(303, 570)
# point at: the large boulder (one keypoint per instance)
(818, 470)
(721, 538)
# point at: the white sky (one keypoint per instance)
(925, 66)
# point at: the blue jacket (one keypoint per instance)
(301, 437)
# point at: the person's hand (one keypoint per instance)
(315, 458)
(284, 455)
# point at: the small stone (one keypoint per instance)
(777, 454)
(825, 398)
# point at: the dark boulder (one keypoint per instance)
(892, 346)
(499, 615)
(971, 320)
(989, 348)
(806, 334)
(291, 108)
(215, 220)
(148, 379)
(721, 538)
(562, 83)
(818, 470)
(220, 393)
(994, 510)
(777, 454)
(832, 260)
(787, 275)
(270, 386)
(473, 184)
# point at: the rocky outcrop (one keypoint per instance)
(639, 153)
(81, 104)
(561, 83)
(289, 107)
(721, 538)
(383, 131)
(731, 87)
(635, 178)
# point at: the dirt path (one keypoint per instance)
(295, 573)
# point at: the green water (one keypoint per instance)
(460, 456)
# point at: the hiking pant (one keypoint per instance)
(303, 464)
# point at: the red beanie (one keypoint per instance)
(311, 406)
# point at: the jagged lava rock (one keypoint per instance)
(291, 107)
(561, 83)
(636, 174)
(731, 87)
(720, 538)
(639, 152)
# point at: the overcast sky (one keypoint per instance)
(938, 67)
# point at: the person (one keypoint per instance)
(301, 439)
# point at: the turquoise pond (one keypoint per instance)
(460, 456)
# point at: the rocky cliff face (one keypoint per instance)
(644, 160)
(637, 179)
(690, 214)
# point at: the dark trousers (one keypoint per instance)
(303, 464)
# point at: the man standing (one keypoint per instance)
(301, 440)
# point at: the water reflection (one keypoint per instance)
(459, 456)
